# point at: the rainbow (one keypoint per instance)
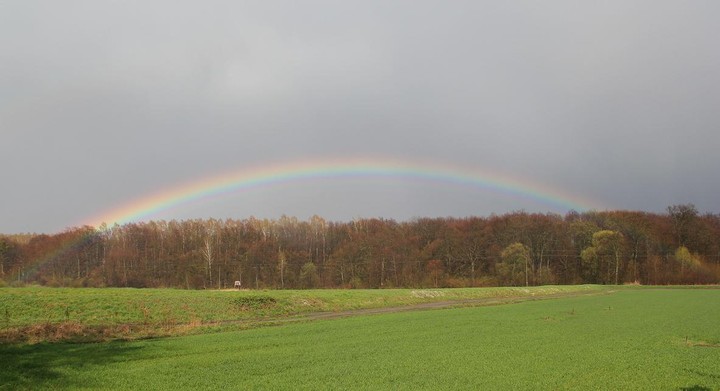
(250, 178)
(33, 265)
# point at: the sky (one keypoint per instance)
(103, 103)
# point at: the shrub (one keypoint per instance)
(254, 302)
(455, 282)
(17, 284)
(309, 276)
(356, 283)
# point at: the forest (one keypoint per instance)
(681, 246)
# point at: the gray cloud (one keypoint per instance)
(103, 102)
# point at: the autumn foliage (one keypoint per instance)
(680, 247)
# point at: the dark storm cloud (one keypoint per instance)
(105, 101)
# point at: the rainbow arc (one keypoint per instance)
(247, 179)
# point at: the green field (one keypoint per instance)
(38, 313)
(634, 338)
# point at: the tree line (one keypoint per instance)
(611, 247)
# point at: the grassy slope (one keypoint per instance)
(109, 306)
(633, 339)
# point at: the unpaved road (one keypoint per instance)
(406, 308)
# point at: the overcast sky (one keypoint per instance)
(104, 102)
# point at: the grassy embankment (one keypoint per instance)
(632, 339)
(50, 314)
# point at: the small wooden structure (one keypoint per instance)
(238, 284)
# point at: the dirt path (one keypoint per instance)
(406, 308)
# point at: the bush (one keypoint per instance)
(254, 302)
(309, 276)
(486, 281)
(546, 277)
(455, 282)
(17, 284)
(356, 283)
(77, 283)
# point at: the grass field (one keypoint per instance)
(631, 339)
(37, 313)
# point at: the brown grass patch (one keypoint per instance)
(77, 332)
(701, 344)
(51, 332)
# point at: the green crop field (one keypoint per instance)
(633, 338)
